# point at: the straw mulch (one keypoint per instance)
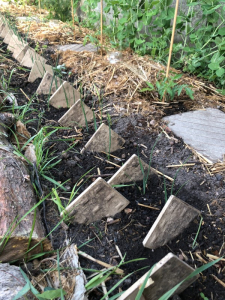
(122, 80)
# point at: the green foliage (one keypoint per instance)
(59, 9)
(168, 88)
(203, 296)
(145, 26)
(49, 293)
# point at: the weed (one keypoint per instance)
(110, 138)
(196, 236)
(146, 176)
(203, 296)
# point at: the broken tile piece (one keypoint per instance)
(18, 48)
(78, 47)
(203, 130)
(49, 84)
(38, 70)
(101, 140)
(166, 274)
(175, 216)
(19, 54)
(131, 171)
(12, 43)
(8, 37)
(30, 57)
(4, 31)
(65, 96)
(99, 200)
(75, 115)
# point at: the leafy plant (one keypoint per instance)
(145, 26)
(168, 88)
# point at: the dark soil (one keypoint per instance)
(199, 190)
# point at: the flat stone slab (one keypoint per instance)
(30, 57)
(65, 96)
(78, 47)
(203, 130)
(166, 274)
(99, 200)
(49, 84)
(175, 216)
(38, 70)
(131, 171)
(100, 141)
(76, 115)
(19, 54)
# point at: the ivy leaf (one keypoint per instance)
(220, 72)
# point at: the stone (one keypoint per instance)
(166, 274)
(75, 115)
(65, 96)
(38, 70)
(8, 37)
(131, 171)
(19, 54)
(30, 57)
(4, 31)
(78, 47)
(175, 216)
(49, 84)
(99, 200)
(203, 130)
(100, 141)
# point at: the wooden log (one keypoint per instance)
(11, 282)
(17, 197)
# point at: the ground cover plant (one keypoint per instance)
(127, 232)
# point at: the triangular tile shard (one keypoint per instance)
(133, 170)
(77, 115)
(8, 37)
(104, 139)
(175, 216)
(4, 31)
(65, 96)
(30, 57)
(14, 43)
(49, 84)
(99, 200)
(2, 25)
(38, 70)
(166, 274)
(19, 54)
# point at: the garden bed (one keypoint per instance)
(140, 128)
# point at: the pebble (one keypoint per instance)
(153, 122)
(71, 163)
(123, 156)
(219, 177)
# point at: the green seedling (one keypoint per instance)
(196, 236)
